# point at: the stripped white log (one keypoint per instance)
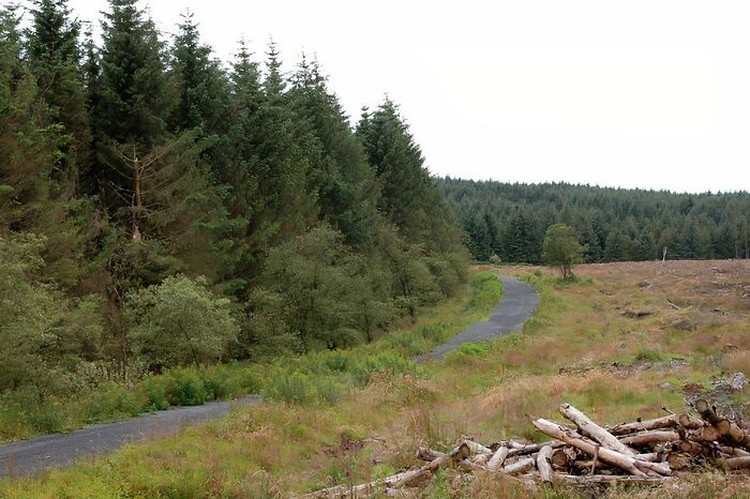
(498, 458)
(650, 424)
(521, 466)
(650, 438)
(650, 468)
(614, 458)
(593, 430)
(519, 449)
(543, 463)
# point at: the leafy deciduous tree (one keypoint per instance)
(180, 322)
(561, 249)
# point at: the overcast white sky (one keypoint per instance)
(652, 94)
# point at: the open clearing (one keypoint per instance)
(622, 342)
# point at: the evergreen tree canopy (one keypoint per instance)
(161, 210)
(612, 224)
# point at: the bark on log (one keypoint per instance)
(521, 466)
(733, 434)
(679, 460)
(426, 454)
(498, 458)
(589, 466)
(733, 451)
(563, 458)
(691, 447)
(477, 448)
(687, 422)
(543, 463)
(614, 458)
(650, 424)
(708, 433)
(650, 438)
(595, 431)
(608, 479)
(737, 463)
(706, 411)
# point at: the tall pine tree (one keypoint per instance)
(54, 56)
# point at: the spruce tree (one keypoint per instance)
(268, 171)
(202, 88)
(133, 102)
(54, 56)
(398, 165)
(411, 203)
(28, 142)
(340, 176)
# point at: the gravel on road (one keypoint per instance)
(518, 303)
(32, 456)
(28, 457)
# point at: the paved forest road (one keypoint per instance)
(518, 303)
(28, 457)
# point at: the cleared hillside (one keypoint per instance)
(621, 343)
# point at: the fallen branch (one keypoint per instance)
(651, 424)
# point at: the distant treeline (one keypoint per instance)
(508, 221)
(159, 208)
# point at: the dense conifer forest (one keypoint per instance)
(161, 208)
(508, 221)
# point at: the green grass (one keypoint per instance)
(319, 380)
(316, 379)
(378, 396)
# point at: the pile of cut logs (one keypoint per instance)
(586, 453)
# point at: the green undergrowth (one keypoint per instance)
(352, 416)
(317, 378)
(252, 452)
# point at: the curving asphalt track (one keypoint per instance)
(32, 456)
(29, 457)
(518, 303)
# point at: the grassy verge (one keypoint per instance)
(580, 347)
(318, 378)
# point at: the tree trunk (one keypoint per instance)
(595, 431)
(650, 438)
(651, 424)
(520, 466)
(498, 458)
(614, 458)
(543, 463)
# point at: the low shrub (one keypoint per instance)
(295, 387)
(112, 401)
